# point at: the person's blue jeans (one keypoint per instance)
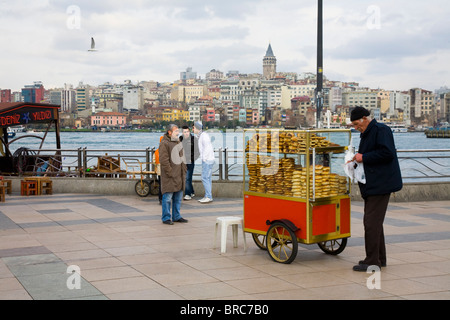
(207, 177)
(189, 187)
(174, 199)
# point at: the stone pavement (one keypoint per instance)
(123, 251)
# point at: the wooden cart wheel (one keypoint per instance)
(154, 187)
(333, 247)
(281, 243)
(142, 188)
(260, 240)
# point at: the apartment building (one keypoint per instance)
(194, 113)
(33, 93)
(172, 115)
(230, 91)
(82, 97)
(133, 98)
(423, 101)
(186, 93)
(366, 99)
(5, 95)
(288, 92)
(400, 103)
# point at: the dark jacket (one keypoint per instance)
(190, 147)
(380, 161)
(173, 165)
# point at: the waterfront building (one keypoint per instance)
(33, 93)
(108, 119)
(54, 96)
(172, 115)
(269, 64)
(422, 102)
(444, 111)
(68, 99)
(5, 95)
(400, 105)
(82, 97)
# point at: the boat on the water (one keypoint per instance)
(397, 127)
(11, 133)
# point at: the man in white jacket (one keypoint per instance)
(207, 155)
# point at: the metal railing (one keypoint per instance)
(417, 165)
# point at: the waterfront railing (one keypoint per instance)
(417, 165)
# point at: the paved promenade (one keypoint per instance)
(123, 251)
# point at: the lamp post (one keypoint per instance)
(319, 87)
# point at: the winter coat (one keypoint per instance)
(380, 161)
(173, 165)
(205, 147)
(190, 147)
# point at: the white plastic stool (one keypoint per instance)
(224, 223)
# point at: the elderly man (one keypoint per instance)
(173, 175)
(378, 154)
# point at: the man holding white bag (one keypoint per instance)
(382, 172)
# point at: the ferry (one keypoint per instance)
(395, 127)
(17, 129)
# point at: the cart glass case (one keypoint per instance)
(297, 176)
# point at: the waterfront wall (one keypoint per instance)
(431, 191)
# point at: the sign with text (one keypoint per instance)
(28, 115)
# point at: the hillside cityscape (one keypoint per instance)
(232, 99)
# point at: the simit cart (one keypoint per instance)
(296, 191)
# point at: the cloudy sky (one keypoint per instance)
(395, 45)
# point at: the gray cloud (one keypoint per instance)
(159, 38)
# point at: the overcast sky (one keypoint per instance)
(394, 45)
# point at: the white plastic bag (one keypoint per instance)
(354, 170)
(359, 172)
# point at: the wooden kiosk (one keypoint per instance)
(24, 113)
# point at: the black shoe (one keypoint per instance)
(362, 262)
(181, 220)
(361, 267)
(168, 222)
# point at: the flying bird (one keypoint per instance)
(92, 45)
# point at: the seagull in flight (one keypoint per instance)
(92, 45)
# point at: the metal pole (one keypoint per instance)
(319, 88)
(220, 164)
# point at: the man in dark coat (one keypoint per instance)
(173, 175)
(191, 153)
(378, 154)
